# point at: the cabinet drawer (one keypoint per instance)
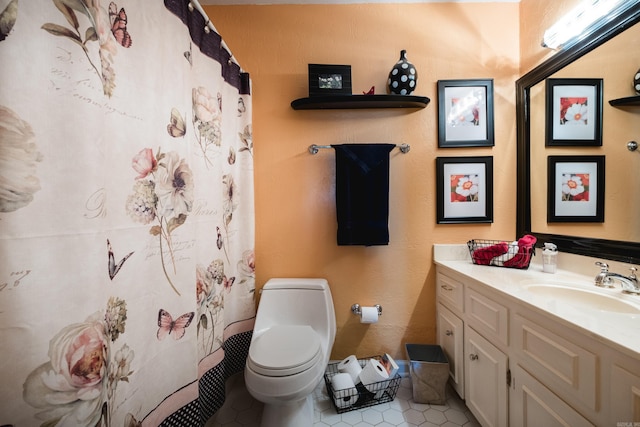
(564, 367)
(450, 291)
(487, 316)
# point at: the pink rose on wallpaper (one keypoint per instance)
(19, 158)
(207, 120)
(70, 386)
(77, 386)
(144, 163)
(205, 106)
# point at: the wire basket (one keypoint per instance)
(360, 396)
(500, 253)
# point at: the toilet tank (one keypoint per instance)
(297, 301)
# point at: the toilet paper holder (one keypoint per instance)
(356, 309)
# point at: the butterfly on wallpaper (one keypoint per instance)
(113, 267)
(176, 126)
(130, 421)
(228, 282)
(219, 241)
(166, 324)
(119, 25)
(241, 107)
(188, 53)
(8, 18)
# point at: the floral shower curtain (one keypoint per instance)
(126, 214)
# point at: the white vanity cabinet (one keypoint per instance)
(473, 332)
(518, 364)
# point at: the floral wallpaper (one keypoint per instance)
(126, 214)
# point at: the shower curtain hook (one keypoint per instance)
(206, 27)
(190, 7)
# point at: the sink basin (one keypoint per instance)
(577, 297)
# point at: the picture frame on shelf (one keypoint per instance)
(573, 112)
(464, 189)
(325, 79)
(465, 113)
(575, 190)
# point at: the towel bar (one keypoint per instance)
(314, 148)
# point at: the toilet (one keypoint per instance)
(292, 338)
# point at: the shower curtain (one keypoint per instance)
(126, 214)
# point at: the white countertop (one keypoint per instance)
(621, 330)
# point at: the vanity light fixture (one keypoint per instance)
(579, 20)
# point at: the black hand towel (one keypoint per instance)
(362, 193)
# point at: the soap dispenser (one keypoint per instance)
(549, 258)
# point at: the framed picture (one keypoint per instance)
(465, 113)
(575, 191)
(329, 80)
(573, 112)
(464, 189)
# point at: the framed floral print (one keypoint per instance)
(573, 112)
(464, 189)
(575, 191)
(465, 113)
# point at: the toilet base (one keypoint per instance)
(293, 414)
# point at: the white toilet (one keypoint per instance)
(292, 339)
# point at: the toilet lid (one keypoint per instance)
(284, 350)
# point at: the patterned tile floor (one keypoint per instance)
(241, 410)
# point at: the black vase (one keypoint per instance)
(403, 76)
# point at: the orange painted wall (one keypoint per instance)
(535, 17)
(295, 210)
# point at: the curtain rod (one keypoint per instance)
(195, 4)
(313, 148)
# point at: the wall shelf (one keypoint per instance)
(333, 102)
(629, 100)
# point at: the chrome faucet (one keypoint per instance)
(605, 279)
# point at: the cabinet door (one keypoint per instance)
(485, 375)
(625, 396)
(451, 339)
(534, 405)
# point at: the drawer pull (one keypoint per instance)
(473, 356)
(446, 287)
(449, 332)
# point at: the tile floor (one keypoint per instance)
(241, 410)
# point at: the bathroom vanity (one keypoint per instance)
(528, 348)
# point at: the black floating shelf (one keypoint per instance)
(333, 102)
(629, 100)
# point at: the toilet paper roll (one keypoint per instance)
(344, 391)
(350, 366)
(369, 315)
(372, 374)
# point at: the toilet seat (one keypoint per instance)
(284, 350)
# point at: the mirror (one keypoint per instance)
(596, 240)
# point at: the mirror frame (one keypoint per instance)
(616, 250)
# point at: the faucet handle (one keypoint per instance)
(604, 267)
(633, 273)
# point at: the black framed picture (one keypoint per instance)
(465, 113)
(573, 112)
(464, 189)
(329, 79)
(575, 190)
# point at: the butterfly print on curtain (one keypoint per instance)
(167, 326)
